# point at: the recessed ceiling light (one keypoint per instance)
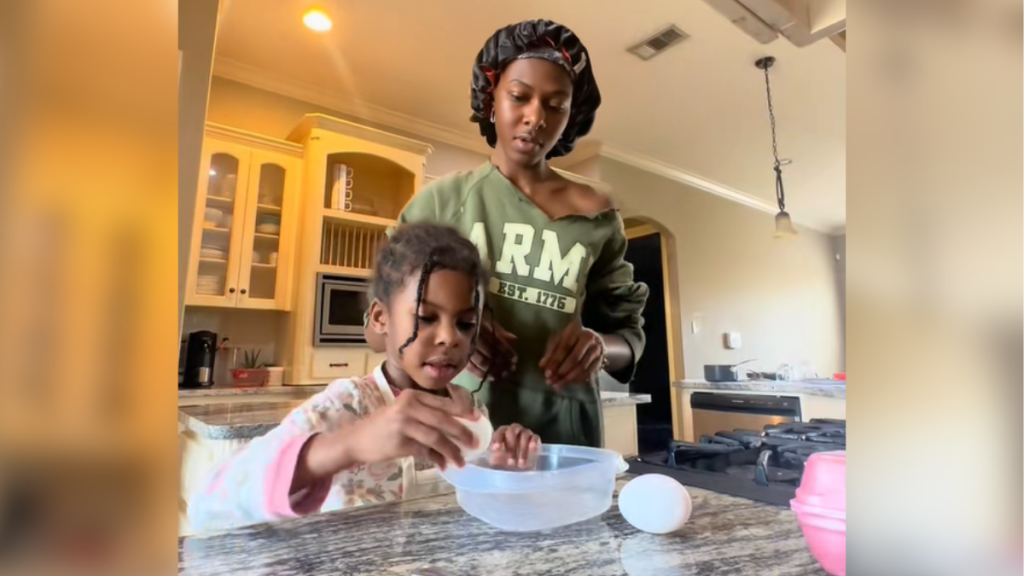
(317, 21)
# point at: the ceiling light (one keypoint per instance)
(317, 21)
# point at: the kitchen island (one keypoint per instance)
(725, 536)
(208, 434)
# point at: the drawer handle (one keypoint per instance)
(338, 365)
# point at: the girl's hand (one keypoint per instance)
(514, 447)
(495, 353)
(573, 355)
(417, 424)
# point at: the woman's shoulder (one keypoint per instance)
(458, 181)
(586, 199)
(590, 199)
(445, 194)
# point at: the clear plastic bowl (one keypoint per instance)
(568, 484)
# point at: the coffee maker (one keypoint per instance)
(195, 366)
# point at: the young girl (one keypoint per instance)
(356, 442)
(564, 300)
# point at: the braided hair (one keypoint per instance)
(424, 248)
(549, 41)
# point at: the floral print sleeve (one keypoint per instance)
(254, 485)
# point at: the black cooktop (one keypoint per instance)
(764, 465)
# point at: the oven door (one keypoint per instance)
(341, 304)
(713, 413)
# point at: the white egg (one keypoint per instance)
(655, 503)
(483, 431)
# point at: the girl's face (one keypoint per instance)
(448, 322)
(531, 109)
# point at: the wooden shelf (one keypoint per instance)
(358, 218)
(343, 271)
(220, 199)
(269, 208)
(271, 236)
(215, 229)
(213, 261)
(266, 266)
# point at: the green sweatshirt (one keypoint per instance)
(543, 271)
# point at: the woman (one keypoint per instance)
(564, 302)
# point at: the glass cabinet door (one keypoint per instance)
(220, 213)
(263, 267)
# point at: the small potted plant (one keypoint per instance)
(253, 371)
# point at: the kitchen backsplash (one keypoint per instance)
(245, 329)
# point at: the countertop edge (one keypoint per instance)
(250, 431)
(809, 388)
(224, 431)
(250, 391)
(631, 400)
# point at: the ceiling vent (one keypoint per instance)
(658, 43)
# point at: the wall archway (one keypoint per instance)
(637, 226)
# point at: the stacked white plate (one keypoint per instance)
(210, 284)
(268, 224)
(213, 216)
(212, 252)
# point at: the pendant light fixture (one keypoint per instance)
(783, 223)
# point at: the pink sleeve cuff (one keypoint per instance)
(277, 497)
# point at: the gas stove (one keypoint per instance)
(764, 465)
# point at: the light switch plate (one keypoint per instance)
(733, 340)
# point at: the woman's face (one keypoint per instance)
(531, 109)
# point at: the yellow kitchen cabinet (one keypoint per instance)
(246, 220)
(356, 181)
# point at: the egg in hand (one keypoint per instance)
(482, 430)
(655, 503)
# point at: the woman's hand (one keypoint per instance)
(495, 353)
(514, 447)
(573, 355)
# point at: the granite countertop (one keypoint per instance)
(297, 391)
(251, 418)
(610, 398)
(235, 420)
(725, 536)
(827, 388)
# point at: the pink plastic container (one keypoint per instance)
(820, 507)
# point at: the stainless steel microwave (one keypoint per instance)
(341, 302)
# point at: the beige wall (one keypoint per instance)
(255, 110)
(780, 295)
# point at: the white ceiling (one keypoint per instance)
(697, 111)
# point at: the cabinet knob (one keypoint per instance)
(231, 290)
(338, 365)
(243, 290)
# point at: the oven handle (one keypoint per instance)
(338, 365)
